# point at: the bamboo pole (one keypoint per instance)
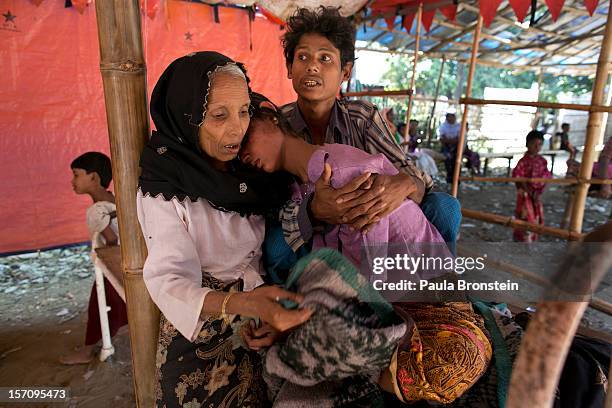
(548, 338)
(468, 92)
(401, 92)
(517, 271)
(538, 113)
(433, 108)
(125, 94)
(415, 61)
(593, 126)
(522, 225)
(550, 105)
(570, 180)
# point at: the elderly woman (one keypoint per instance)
(202, 217)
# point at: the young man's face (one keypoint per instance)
(316, 70)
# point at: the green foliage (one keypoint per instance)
(399, 73)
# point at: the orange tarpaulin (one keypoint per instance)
(52, 104)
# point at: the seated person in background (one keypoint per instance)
(413, 134)
(528, 202)
(565, 143)
(91, 175)
(449, 136)
(472, 157)
(272, 146)
(602, 169)
(389, 117)
(422, 157)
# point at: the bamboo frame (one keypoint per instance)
(401, 92)
(593, 126)
(397, 94)
(125, 93)
(571, 180)
(548, 105)
(468, 92)
(548, 338)
(595, 303)
(435, 102)
(415, 61)
(538, 113)
(522, 225)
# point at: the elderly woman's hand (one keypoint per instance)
(263, 302)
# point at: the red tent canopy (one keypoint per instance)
(52, 106)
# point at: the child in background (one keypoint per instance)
(91, 175)
(528, 203)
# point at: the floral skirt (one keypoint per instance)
(216, 370)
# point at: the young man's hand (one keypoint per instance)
(325, 205)
(362, 202)
(385, 196)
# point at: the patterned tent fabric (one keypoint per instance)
(283, 9)
(488, 8)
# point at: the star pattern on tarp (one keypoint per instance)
(188, 36)
(8, 17)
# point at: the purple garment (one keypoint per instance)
(406, 225)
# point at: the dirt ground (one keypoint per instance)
(43, 302)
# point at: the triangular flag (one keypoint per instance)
(271, 17)
(520, 7)
(449, 12)
(80, 5)
(427, 18)
(407, 20)
(149, 7)
(488, 9)
(555, 6)
(591, 5)
(390, 22)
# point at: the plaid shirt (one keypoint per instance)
(352, 122)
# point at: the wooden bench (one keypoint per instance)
(510, 155)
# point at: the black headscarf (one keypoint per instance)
(173, 163)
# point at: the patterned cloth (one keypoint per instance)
(490, 391)
(336, 357)
(444, 352)
(403, 227)
(349, 339)
(216, 370)
(528, 202)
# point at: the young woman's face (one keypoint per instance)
(264, 145)
(227, 118)
(316, 70)
(83, 182)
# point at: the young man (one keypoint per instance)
(319, 48)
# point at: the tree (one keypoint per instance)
(400, 70)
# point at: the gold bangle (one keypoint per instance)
(224, 315)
